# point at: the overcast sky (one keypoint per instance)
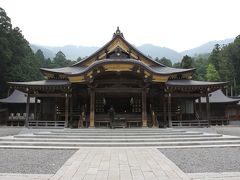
(176, 24)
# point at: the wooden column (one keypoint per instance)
(169, 110)
(71, 108)
(40, 109)
(208, 109)
(35, 109)
(92, 107)
(55, 109)
(200, 108)
(194, 108)
(164, 110)
(144, 108)
(66, 109)
(27, 110)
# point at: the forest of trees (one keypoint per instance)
(19, 63)
(222, 64)
(17, 60)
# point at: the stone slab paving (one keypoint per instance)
(119, 164)
(7, 176)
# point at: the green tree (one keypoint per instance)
(177, 65)
(164, 61)
(40, 59)
(187, 62)
(49, 63)
(212, 74)
(200, 64)
(60, 60)
(17, 61)
(79, 59)
(215, 56)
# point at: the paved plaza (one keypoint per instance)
(125, 163)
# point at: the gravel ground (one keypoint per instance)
(32, 161)
(201, 160)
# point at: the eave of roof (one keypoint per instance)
(17, 97)
(42, 83)
(155, 69)
(219, 97)
(193, 83)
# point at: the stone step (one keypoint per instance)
(157, 140)
(115, 133)
(104, 130)
(117, 144)
(76, 148)
(118, 137)
(164, 138)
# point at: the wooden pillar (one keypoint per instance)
(92, 107)
(27, 110)
(169, 110)
(66, 109)
(40, 109)
(164, 110)
(200, 107)
(144, 108)
(55, 109)
(35, 109)
(71, 109)
(194, 108)
(208, 109)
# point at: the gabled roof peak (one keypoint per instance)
(118, 33)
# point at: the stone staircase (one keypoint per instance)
(137, 137)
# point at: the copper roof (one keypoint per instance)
(219, 97)
(17, 97)
(192, 83)
(155, 69)
(43, 83)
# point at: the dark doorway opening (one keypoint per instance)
(120, 104)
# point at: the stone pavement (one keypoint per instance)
(7, 176)
(119, 164)
(124, 163)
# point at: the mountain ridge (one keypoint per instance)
(204, 48)
(73, 52)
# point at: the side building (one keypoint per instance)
(142, 91)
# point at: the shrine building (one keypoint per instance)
(143, 92)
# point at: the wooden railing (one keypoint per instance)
(219, 121)
(47, 124)
(214, 121)
(198, 123)
(132, 120)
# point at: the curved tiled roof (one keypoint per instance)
(192, 83)
(42, 83)
(17, 97)
(219, 97)
(155, 69)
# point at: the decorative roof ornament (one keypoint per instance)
(118, 33)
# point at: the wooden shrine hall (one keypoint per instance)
(143, 92)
